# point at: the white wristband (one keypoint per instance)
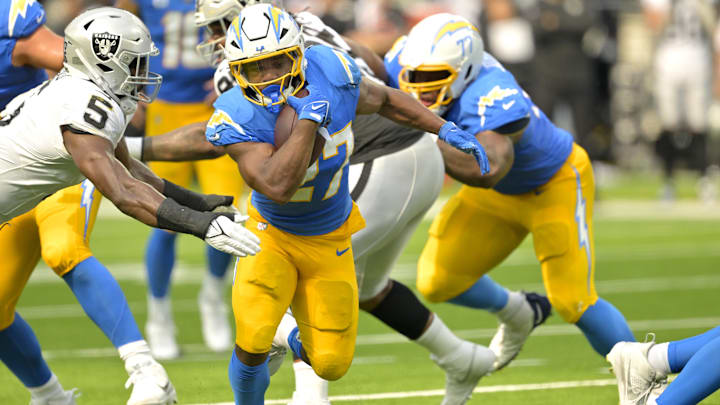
(135, 146)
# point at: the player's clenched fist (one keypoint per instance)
(231, 237)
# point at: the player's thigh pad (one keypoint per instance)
(263, 288)
(563, 236)
(393, 193)
(20, 247)
(475, 231)
(163, 117)
(65, 221)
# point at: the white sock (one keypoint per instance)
(47, 390)
(159, 309)
(658, 358)
(438, 339)
(515, 303)
(307, 384)
(135, 352)
(212, 286)
(287, 324)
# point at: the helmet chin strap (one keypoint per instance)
(273, 93)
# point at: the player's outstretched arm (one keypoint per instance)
(404, 109)
(180, 145)
(463, 167)
(95, 158)
(42, 49)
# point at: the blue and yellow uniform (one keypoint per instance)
(549, 192)
(59, 228)
(306, 259)
(180, 100)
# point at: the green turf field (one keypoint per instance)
(657, 264)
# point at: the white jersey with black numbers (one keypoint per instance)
(33, 160)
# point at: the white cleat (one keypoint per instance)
(215, 325)
(151, 385)
(160, 329)
(280, 345)
(638, 382)
(61, 398)
(463, 370)
(512, 334)
(298, 399)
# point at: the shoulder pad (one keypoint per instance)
(492, 101)
(232, 120)
(337, 67)
(23, 18)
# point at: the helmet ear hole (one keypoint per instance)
(470, 68)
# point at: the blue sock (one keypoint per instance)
(603, 326)
(681, 351)
(484, 294)
(20, 351)
(218, 261)
(159, 261)
(699, 378)
(295, 343)
(248, 383)
(103, 301)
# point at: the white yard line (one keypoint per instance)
(200, 353)
(436, 393)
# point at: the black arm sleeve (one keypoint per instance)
(174, 217)
(196, 201)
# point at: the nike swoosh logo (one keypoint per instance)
(316, 116)
(214, 137)
(340, 252)
(316, 106)
(508, 105)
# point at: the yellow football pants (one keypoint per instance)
(478, 228)
(58, 230)
(313, 274)
(218, 176)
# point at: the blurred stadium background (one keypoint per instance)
(592, 65)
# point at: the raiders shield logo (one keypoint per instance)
(105, 45)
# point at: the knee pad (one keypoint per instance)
(331, 365)
(570, 309)
(62, 255)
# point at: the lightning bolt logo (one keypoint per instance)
(450, 28)
(277, 16)
(581, 219)
(18, 8)
(86, 202)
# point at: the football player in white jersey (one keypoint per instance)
(385, 163)
(76, 121)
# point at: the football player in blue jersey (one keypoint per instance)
(642, 369)
(547, 189)
(183, 99)
(300, 209)
(392, 192)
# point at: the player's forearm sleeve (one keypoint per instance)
(175, 217)
(196, 201)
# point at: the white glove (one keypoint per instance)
(231, 237)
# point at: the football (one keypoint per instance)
(285, 123)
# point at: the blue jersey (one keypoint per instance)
(494, 99)
(172, 28)
(322, 203)
(18, 19)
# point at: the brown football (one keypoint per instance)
(285, 123)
